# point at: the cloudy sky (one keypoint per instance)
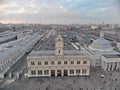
(60, 11)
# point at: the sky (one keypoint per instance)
(60, 11)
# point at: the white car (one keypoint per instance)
(102, 76)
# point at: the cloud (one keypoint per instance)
(60, 10)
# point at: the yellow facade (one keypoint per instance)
(58, 64)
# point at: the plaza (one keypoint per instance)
(111, 81)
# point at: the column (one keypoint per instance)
(105, 66)
(80, 71)
(113, 65)
(74, 72)
(42, 72)
(68, 72)
(109, 66)
(55, 72)
(36, 70)
(62, 72)
(49, 72)
(117, 66)
(102, 64)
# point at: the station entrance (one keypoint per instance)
(52, 73)
(59, 73)
(65, 73)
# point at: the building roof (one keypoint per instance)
(14, 48)
(52, 53)
(112, 56)
(8, 52)
(100, 53)
(101, 44)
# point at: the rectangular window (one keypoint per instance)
(59, 62)
(84, 62)
(52, 63)
(65, 62)
(33, 72)
(78, 62)
(39, 63)
(84, 71)
(32, 63)
(46, 72)
(71, 71)
(39, 72)
(46, 63)
(72, 62)
(77, 70)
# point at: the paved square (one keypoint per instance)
(111, 81)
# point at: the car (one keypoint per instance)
(102, 76)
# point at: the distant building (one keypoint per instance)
(11, 52)
(58, 63)
(93, 27)
(102, 54)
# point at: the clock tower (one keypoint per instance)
(59, 46)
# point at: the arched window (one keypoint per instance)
(59, 40)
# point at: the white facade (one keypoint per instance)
(101, 48)
(110, 62)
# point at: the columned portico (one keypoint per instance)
(109, 64)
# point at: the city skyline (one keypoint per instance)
(59, 11)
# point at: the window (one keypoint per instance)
(77, 70)
(59, 51)
(52, 63)
(32, 63)
(78, 62)
(46, 72)
(65, 62)
(72, 62)
(33, 72)
(39, 72)
(59, 40)
(84, 71)
(39, 63)
(59, 62)
(71, 71)
(84, 62)
(46, 62)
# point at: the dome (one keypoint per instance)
(101, 45)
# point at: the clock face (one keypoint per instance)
(59, 45)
